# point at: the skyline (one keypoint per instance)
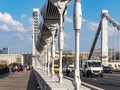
(16, 23)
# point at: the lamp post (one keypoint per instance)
(77, 19)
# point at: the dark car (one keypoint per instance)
(107, 69)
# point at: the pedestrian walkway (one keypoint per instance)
(53, 83)
(17, 81)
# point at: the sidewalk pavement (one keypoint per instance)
(17, 81)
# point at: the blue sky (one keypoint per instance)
(16, 23)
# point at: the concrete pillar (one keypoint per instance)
(104, 38)
(53, 53)
(77, 19)
(44, 63)
(42, 59)
(33, 51)
(60, 43)
(48, 60)
(35, 33)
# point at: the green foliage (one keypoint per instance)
(2, 66)
(67, 60)
(13, 64)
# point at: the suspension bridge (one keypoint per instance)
(43, 55)
(45, 32)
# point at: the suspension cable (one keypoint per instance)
(119, 45)
(111, 48)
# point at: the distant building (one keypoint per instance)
(25, 58)
(4, 51)
(1, 51)
(11, 58)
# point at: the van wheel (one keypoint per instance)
(87, 75)
(101, 75)
(83, 75)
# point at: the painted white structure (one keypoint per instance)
(53, 13)
(105, 19)
(77, 18)
(35, 34)
(104, 42)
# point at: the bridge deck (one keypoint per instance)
(54, 82)
(17, 81)
(27, 81)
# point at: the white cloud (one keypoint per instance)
(68, 19)
(66, 35)
(90, 25)
(4, 27)
(30, 20)
(7, 21)
(83, 20)
(112, 31)
(23, 36)
(20, 36)
(93, 25)
(23, 16)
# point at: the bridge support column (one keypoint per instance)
(33, 51)
(104, 38)
(33, 61)
(53, 53)
(77, 18)
(42, 62)
(48, 60)
(60, 44)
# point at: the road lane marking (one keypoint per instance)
(94, 79)
(91, 86)
(116, 84)
(112, 74)
(85, 84)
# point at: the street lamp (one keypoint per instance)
(77, 19)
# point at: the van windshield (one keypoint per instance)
(94, 64)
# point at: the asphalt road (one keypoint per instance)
(107, 82)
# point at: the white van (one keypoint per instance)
(92, 67)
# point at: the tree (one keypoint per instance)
(67, 60)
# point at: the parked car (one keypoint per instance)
(107, 69)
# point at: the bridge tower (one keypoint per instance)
(104, 37)
(35, 34)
